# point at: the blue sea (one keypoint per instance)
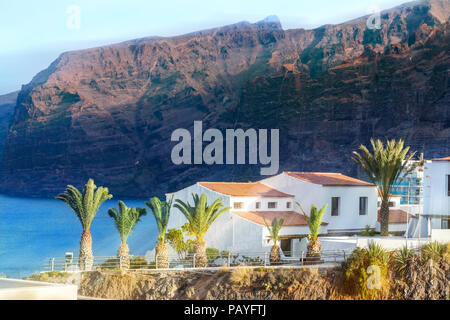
(34, 230)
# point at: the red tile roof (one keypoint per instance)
(291, 218)
(329, 179)
(244, 189)
(441, 159)
(396, 216)
(390, 195)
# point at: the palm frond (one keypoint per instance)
(85, 204)
(200, 216)
(126, 219)
(161, 212)
(274, 230)
(314, 219)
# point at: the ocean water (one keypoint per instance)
(34, 230)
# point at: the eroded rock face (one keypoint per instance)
(7, 104)
(108, 112)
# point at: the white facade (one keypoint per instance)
(436, 202)
(348, 219)
(231, 231)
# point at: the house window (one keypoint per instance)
(238, 205)
(448, 185)
(335, 206)
(288, 204)
(258, 205)
(379, 204)
(363, 206)
(391, 204)
(445, 223)
(271, 205)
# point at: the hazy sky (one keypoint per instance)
(34, 33)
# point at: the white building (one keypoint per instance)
(352, 203)
(435, 217)
(242, 228)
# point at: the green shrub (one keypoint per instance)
(368, 232)
(401, 257)
(213, 254)
(138, 263)
(110, 264)
(355, 270)
(433, 250)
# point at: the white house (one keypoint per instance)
(435, 217)
(352, 203)
(242, 228)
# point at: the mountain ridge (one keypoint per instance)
(108, 112)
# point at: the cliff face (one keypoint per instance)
(7, 104)
(108, 112)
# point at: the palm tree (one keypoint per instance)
(125, 221)
(85, 205)
(161, 212)
(383, 167)
(200, 217)
(274, 232)
(314, 220)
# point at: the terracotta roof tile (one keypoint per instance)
(396, 216)
(390, 195)
(291, 218)
(244, 189)
(328, 179)
(441, 159)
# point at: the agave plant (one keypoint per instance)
(161, 212)
(274, 234)
(314, 220)
(401, 257)
(85, 204)
(385, 166)
(125, 220)
(200, 217)
(377, 254)
(433, 250)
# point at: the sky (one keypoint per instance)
(34, 33)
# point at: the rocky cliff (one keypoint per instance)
(108, 112)
(7, 105)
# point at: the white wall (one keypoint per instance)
(436, 199)
(441, 235)
(220, 234)
(250, 203)
(308, 193)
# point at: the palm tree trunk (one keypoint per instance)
(124, 256)
(200, 258)
(313, 255)
(86, 256)
(275, 254)
(162, 255)
(384, 218)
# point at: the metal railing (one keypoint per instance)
(223, 259)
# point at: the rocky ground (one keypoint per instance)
(430, 281)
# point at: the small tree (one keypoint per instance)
(274, 234)
(314, 220)
(175, 238)
(125, 220)
(85, 204)
(161, 212)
